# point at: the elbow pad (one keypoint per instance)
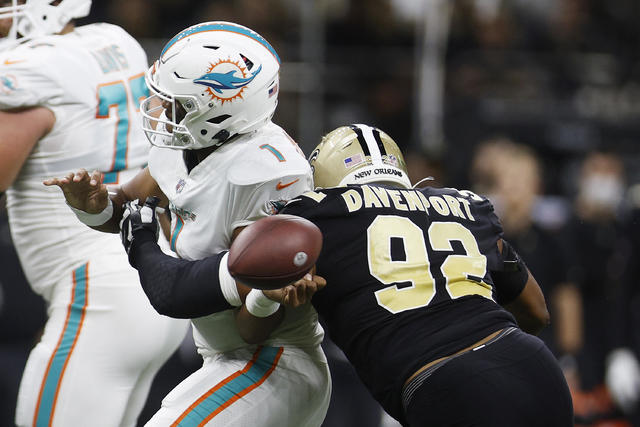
(180, 288)
(510, 280)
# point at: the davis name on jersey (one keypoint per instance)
(232, 187)
(408, 270)
(92, 79)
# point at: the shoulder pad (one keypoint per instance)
(31, 55)
(269, 155)
(28, 76)
(318, 203)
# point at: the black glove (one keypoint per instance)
(139, 224)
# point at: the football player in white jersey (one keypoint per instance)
(219, 163)
(69, 98)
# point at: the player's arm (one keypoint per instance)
(519, 292)
(253, 327)
(180, 288)
(20, 130)
(188, 289)
(100, 206)
(175, 287)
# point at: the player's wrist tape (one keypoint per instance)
(259, 305)
(228, 283)
(93, 220)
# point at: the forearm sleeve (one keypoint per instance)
(176, 287)
(512, 277)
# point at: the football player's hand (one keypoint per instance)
(83, 190)
(139, 224)
(297, 293)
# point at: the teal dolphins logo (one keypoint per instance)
(8, 83)
(226, 85)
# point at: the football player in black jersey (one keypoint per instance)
(428, 302)
(422, 292)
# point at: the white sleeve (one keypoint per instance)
(27, 82)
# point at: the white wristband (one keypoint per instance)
(259, 305)
(228, 284)
(94, 220)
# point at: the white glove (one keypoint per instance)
(622, 377)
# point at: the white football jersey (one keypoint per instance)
(92, 79)
(238, 183)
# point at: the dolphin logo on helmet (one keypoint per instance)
(221, 81)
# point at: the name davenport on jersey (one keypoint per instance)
(409, 200)
(409, 272)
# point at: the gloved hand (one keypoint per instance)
(139, 224)
(622, 377)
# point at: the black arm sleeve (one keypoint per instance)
(512, 278)
(176, 287)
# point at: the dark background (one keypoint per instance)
(560, 77)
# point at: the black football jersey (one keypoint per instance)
(407, 277)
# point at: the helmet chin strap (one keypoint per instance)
(222, 137)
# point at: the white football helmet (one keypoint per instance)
(212, 81)
(358, 154)
(34, 18)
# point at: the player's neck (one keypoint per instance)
(203, 153)
(192, 158)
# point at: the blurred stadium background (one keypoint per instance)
(534, 103)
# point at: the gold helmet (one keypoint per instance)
(358, 154)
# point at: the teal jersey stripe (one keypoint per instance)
(110, 178)
(62, 354)
(220, 26)
(273, 151)
(237, 386)
(176, 232)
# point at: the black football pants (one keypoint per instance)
(512, 382)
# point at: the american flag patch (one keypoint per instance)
(353, 160)
(273, 90)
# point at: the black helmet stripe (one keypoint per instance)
(361, 140)
(376, 135)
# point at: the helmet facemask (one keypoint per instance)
(14, 12)
(35, 18)
(164, 117)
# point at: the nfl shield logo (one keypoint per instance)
(180, 185)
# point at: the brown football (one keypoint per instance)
(274, 251)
